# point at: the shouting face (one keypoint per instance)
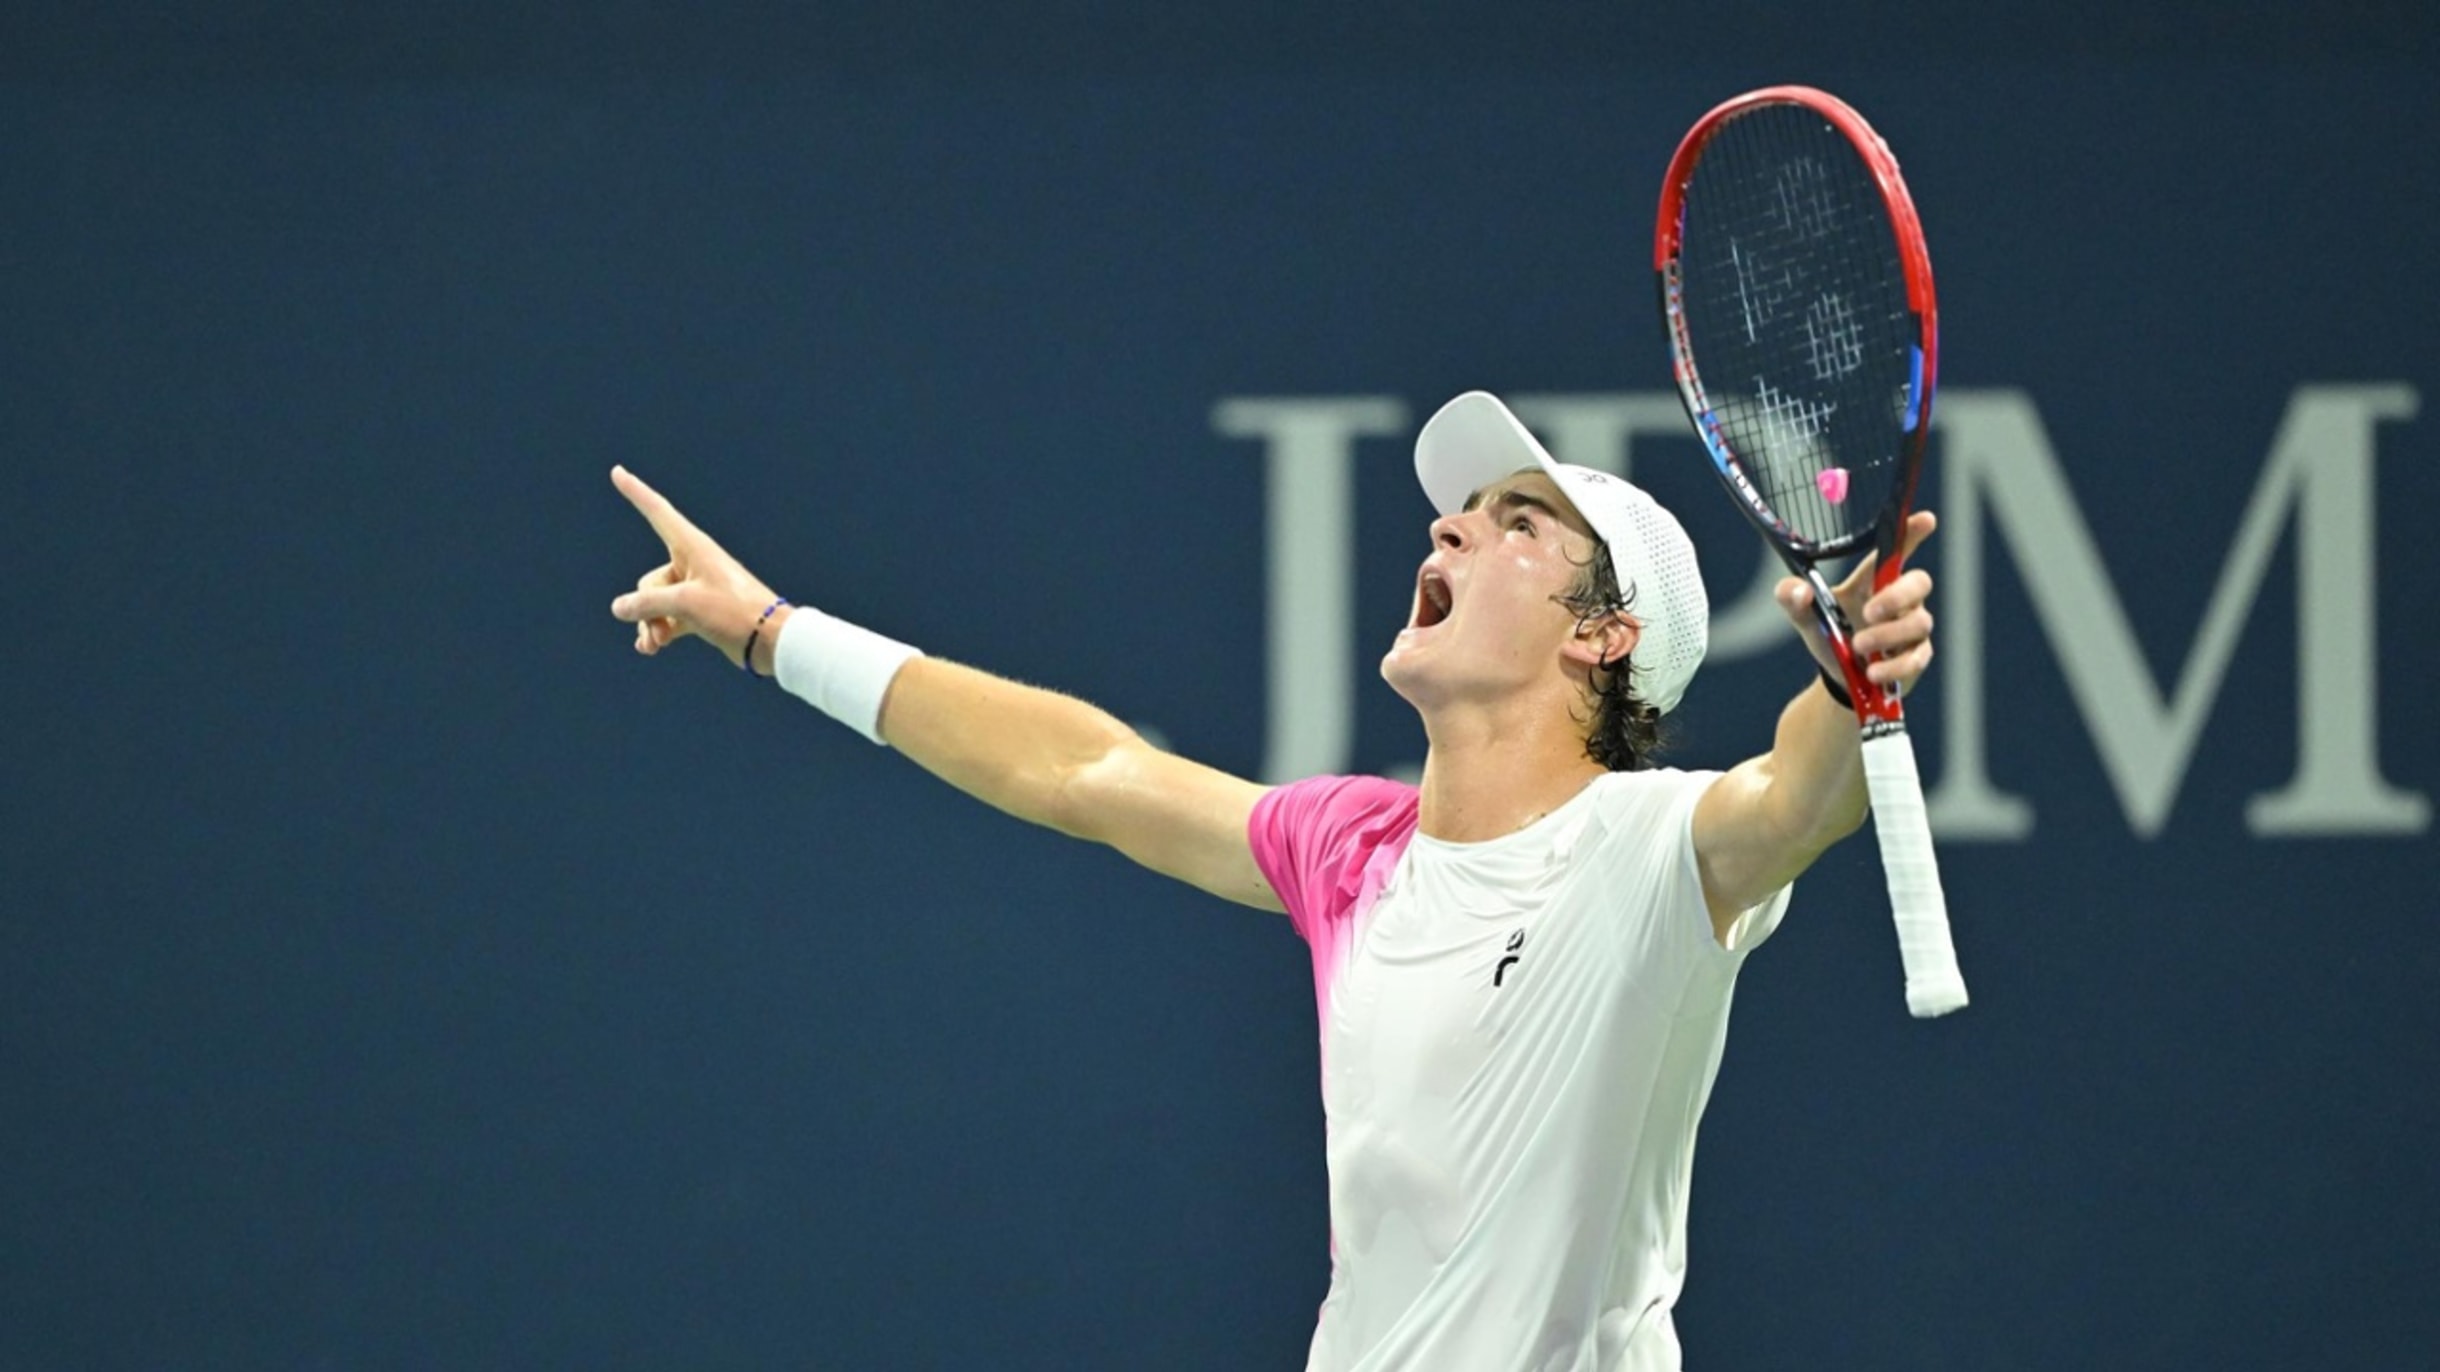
(1487, 620)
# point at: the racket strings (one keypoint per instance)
(1797, 315)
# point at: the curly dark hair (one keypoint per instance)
(1626, 732)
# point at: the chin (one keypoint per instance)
(1404, 675)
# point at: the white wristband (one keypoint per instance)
(840, 669)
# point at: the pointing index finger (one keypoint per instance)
(674, 528)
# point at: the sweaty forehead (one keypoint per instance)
(1534, 489)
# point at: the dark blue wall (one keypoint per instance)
(395, 972)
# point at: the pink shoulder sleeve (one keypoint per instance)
(1318, 841)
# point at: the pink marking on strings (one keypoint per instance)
(1833, 484)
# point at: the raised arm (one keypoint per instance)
(1764, 822)
(1036, 754)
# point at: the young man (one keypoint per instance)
(1523, 966)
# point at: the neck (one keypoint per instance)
(1491, 771)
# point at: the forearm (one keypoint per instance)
(1015, 747)
(1041, 756)
(1816, 794)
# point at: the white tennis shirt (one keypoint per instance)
(1518, 1039)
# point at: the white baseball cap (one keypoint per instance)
(1474, 441)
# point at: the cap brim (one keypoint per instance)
(1471, 442)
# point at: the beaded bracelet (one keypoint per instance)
(747, 660)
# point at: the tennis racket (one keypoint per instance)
(1797, 298)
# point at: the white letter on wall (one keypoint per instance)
(1310, 533)
(2320, 465)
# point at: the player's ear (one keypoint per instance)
(1603, 640)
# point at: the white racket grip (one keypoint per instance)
(1933, 984)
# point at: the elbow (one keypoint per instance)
(1085, 789)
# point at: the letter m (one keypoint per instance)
(1999, 471)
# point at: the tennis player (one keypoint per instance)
(1523, 966)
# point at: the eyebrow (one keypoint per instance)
(1512, 499)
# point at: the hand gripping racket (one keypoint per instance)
(1797, 298)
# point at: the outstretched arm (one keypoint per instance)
(1057, 761)
(1764, 822)
(1041, 756)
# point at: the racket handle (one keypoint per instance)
(1933, 984)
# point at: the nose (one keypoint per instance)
(1452, 532)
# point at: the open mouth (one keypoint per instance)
(1432, 598)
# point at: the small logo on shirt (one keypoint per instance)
(1515, 941)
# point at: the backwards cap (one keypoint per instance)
(1474, 441)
